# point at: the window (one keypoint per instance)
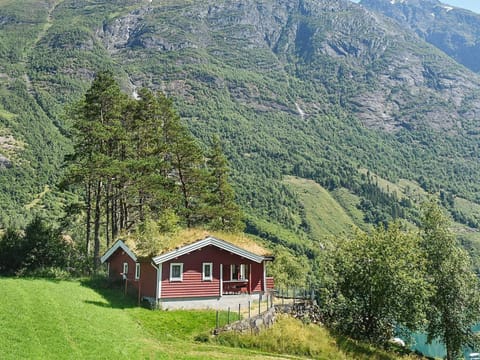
(176, 272)
(125, 270)
(234, 270)
(238, 272)
(243, 272)
(207, 272)
(137, 271)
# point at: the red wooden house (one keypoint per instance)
(208, 268)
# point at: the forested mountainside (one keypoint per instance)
(453, 30)
(321, 90)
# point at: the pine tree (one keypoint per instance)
(222, 211)
(97, 131)
(190, 175)
(137, 163)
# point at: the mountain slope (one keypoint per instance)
(314, 89)
(453, 30)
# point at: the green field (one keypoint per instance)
(324, 214)
(43, 319)
(47, 319)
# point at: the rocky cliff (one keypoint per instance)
(453, 30)
(383, 73)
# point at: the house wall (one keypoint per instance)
(192, 284)
(148, 279)
(270, 283)
(116, 265)
(148, 274)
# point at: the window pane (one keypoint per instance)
(176, 271)
(235, 271)
(137, 271)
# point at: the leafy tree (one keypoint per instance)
(43, 246)
(378, 283)
(11, 255)
(289, 270)
(40, 246)
(454, 305)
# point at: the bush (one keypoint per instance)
(50, 273)
(39, 250)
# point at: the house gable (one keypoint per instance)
(118, 245)
(207, 242)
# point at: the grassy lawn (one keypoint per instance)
(46, 319)
(43, 319)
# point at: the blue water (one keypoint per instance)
(436, 348)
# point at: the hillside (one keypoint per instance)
(312, 89)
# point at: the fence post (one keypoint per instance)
(216, 320)
(238, 312)
(259, 303)
(228, 316)
(249, 315)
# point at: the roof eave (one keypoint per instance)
(118, 244)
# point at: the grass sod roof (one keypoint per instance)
(163, 243)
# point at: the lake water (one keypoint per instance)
(436, 348)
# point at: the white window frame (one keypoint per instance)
(243, 272)
(125, 269)
(137, 271)
(205, 265)
(171, 272)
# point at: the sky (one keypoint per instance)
(473, 5)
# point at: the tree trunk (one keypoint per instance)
(113, 211)
(88, 222)
(96, 229)
(186, 203)
(107, 212)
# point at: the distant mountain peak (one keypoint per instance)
(453, 30)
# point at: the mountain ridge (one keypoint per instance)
(454, 30)
(313, 89)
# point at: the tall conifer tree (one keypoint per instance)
(222, 211)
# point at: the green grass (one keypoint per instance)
(324, 214)
(6, 115)
(47, 319)
(292, 336)
(349, 201)
(44, 319)
(467, 207)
